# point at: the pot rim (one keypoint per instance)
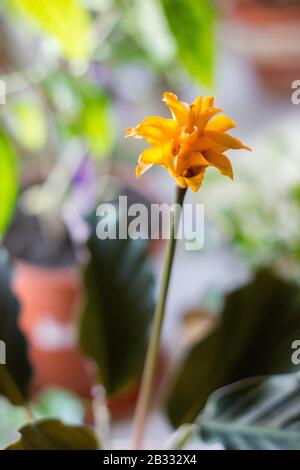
(63, 273)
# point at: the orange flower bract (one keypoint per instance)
(188, 144)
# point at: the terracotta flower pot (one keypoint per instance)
(268, 33)
(262, 11)
(50, 300)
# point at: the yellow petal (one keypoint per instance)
(156, 130)
(196, 159)
(226, 140)
(131, 132)
(179, 109)
(148, 158)
(141, 169)
(221, 123)
(180, 181)
(220, 161)
(207, 102)
(167, 126)
(152, 155)
(153, 135)
(195, 182)
(204, 143)
(195, 111)
(189, 160)
(188, 135)
(198, 103)
(206, 116)
(180, 160)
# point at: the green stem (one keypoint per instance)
(146, 389)
(181, 436)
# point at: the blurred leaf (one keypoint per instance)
(59, 403)
(120, 303)
(29, 124)
(11, 419)
(85, 110)
(254, 414)
(96, 121)
(295, 194)
(192, 24)
(8, 181)
(154, 33)
(17, 363)
(66, 20)
(254, 337)
(123, 48)
(52, 434)
(50, 403)
(181, 437)
(63, 91)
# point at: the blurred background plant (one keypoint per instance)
(76, 73)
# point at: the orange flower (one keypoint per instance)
(189, 143)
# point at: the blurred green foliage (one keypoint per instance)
(96, 121)
(53, 434)
(254, 414)
(11, 419)
(63, 64)
(192, 24)
(28, 123)
(60, 96)
(16, 373)
(84, 110)
(53, 93)
(261, 319)
(66, 20)
(52, 402)
(8, 180)
(120, 304)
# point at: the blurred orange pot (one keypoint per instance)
(268, 33)
(50, 299)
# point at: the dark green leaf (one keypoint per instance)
(192, 24)
(17, 365)
(8, 181)
(254, 414)
(254, 337)
(52, 434)
(120, 303)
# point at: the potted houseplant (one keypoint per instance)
(55, 278)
